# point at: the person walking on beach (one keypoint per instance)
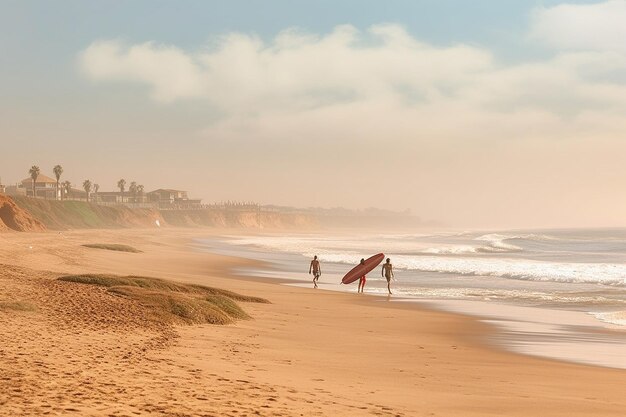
(387, 272)
(362, 279)
(317, 270)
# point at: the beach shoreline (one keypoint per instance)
(307, 353)
(536, 328)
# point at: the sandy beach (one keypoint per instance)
(77, 349)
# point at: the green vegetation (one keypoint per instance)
(17, 306)
(69, 214)
(173, 302)
(105, 280)
(178, 308)
(112, 246)
(227, 305)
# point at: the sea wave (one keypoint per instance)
(502, 243)
(493, 243)
(469, 249)
(452, 250)
(529, 270)
(416, 243)
(317, 245)
(525, 236)
(506, 294)
(450, 257)
(613, 317)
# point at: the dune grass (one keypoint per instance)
(172, 302)
(106, 280)
(178, 307)
(112, 246)
(17, 306)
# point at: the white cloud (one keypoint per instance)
(453, 117)
(243, 76)
(169, 71)
(380, 85)
(600, 26)
(242, 73)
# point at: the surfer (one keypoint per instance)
(362, 279)
(317, 270)
(387, 272)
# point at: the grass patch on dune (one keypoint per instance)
(17, 306)
(176, 307)
(106, 280)
(172, 302)
(210, 291)
(112, 246)
(227, 305)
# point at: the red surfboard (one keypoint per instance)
(363, 269)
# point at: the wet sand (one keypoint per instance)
(83, 351)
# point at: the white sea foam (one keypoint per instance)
(449, 257)
(495, 243)
(504, 295)
(526, 236)
(613, 317)
(452, 250)
(498, 242)
(469, 249)
(316, 245)
(396, 244)
(591, 273)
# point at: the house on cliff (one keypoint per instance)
(111, 197)
(45, 187)
(119, 198)
(166, 198)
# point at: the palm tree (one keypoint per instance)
(58, 170)
(96, 187)
(66, 187)
(140, 192)
(121, 184)
(34, 173)
(87, 187)
(133, 190)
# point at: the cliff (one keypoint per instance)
(28, 214)
(63, 215)
(14, 217)
(239, 219)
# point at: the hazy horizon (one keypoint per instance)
(478, 115)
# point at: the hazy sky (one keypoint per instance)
(508, 113)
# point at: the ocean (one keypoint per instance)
(556, 281)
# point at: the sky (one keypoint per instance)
(507, 114)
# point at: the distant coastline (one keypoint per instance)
(32, 214)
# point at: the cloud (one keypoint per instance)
(459, 134)
(242, 76)
(597, 27)
(170, 72)
(296, 69)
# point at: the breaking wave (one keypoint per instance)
(612, 317)
(588, 273)
(490, 243)
(482, 255)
